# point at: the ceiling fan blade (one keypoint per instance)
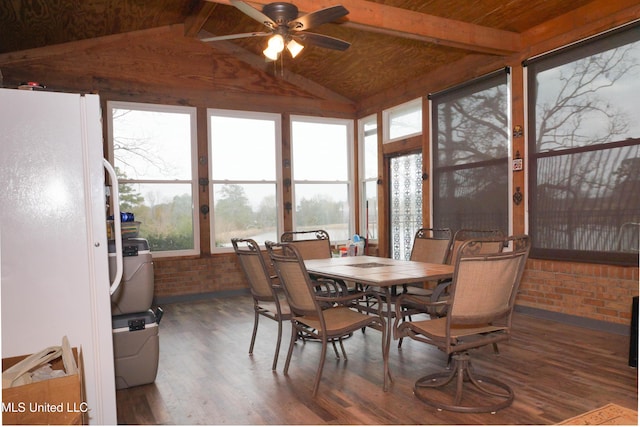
(234, 36)
(318, 17)
(254, 13)
(321, 40)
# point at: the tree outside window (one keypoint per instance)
(152, 156)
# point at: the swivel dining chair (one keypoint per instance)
(263, 286)
(326, 318)
(485, 241)
(479, 312)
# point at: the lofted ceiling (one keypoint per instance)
(392, 41)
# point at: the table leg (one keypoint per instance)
(387, 344)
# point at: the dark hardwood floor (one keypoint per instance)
(206, 375)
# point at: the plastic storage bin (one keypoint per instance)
(135, 293)
(135, 347)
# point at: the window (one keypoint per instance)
(470, 148)
(406, 203)
(369, 176)
(244, 158)
(152, 151)
(403, 120)
(321, 151)
(584, 150)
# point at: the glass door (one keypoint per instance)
(406, 203)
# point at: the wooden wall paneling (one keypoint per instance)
(357, 190)
(287, 178)
(202, 199)
(162, 62)
(426, 164)
(518, 146)
(383, 193)
(405, 145)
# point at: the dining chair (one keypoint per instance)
(263, 286)
(430, 245)
(312, 244)
(326, 318)
(487, 241)
(479, 312)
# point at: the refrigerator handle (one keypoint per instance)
(115, 202)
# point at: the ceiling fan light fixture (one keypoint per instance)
(271, 53)
(276, 43)
(294, 48)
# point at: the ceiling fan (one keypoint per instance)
(287, 29)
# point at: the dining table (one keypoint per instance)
(379, 272)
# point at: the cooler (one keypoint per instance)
(135, 347)
(135, 293)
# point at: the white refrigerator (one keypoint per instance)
(53, 242)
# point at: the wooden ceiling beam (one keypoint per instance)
(197, 17)
(380, 18)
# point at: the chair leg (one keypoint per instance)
(294, 336)
(385, 357)
(335, 349)
(256, 317)
(323, 355)
(275, 356)
(344, 353)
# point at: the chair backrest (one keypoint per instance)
(485, 285)
(313, 244)
(431, 245)
(254, 267)
(492, 244)
(294, 278)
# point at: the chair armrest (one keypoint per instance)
(328, 287)
(422, 301)
(440, 290)
(354, 300)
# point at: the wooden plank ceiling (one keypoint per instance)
(392, 41)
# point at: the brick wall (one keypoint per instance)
(599, 292)
(191, 276)
(594, 291)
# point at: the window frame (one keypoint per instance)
(256, 115)
(387, 116)
(363, 179)
(192, 112)
(351, 179)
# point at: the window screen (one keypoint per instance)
(470, 155)
(584, 161)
